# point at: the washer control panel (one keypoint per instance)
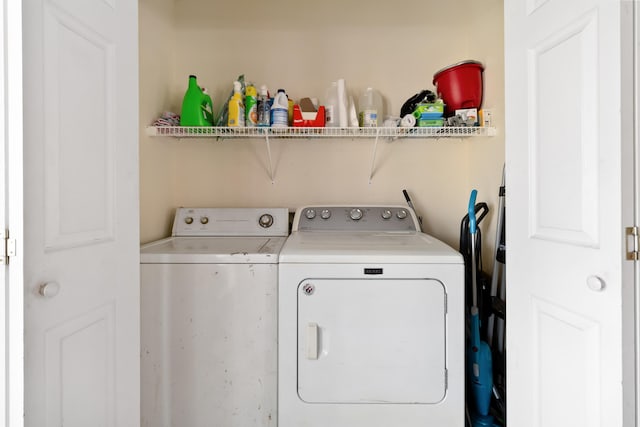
(355, 218)
(231, 222)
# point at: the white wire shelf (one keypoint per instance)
(268, 134)
(323, 132)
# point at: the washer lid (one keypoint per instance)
(212, 250)
(367, 247)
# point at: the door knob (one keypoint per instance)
(595, 283)
(49, 289)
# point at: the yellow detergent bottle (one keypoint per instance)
(236, 107)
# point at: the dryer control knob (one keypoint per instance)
(310, 214)
(204, 220)
(401, 214)
(188, 220)
(386, 214)
(325, 214)
(355, 214)
(265, 221)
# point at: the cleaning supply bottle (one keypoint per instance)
(343, 104)
(264, 109)
(332, 118)
(251, 106)
(208, 106)
(236, 107)
(197, 108)
(289, 111)
(370, 108)
(280, 110)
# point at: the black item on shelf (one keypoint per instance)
(410, 104)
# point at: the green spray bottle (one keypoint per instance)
(197, 108)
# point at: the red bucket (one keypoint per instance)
(460, 86)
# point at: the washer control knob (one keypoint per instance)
(204, 220)
(310, 214)
(401, 214)
(355, 214)
(188, 220)
(325, 214)
(265, 221)
(386, 214)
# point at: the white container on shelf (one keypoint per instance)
(280, 110)
(370, 108)
(331, 109)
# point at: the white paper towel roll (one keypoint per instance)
(342, 104)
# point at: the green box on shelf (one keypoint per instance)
(431, 123)
(429, 108)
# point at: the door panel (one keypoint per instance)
(81, 370)
(563, 139)
(567, 347)
(78, 63)
(371, 341)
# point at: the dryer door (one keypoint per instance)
(371, 341)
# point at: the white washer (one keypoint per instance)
(209, 334)
(370, 322)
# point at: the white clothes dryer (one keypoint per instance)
(208, 319)
(370, 322)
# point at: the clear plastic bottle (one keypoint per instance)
(264, 109)
(371, 113)
(280, 110)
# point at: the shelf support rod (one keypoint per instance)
(266, 133)
(373, 157)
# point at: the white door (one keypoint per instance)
(565, 140)
(81, 247)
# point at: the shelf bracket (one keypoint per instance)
(266, 137)
(373, 156)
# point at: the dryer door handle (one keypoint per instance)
(312, 341)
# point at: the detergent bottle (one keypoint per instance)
(208, 106)
(236, 107)
(370, 108)
(197, 108)
(264, 116)
(251, 106)
(280, 110)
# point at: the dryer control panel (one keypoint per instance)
(356, 218)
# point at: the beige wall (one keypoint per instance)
(395, 47)
(157, 48)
